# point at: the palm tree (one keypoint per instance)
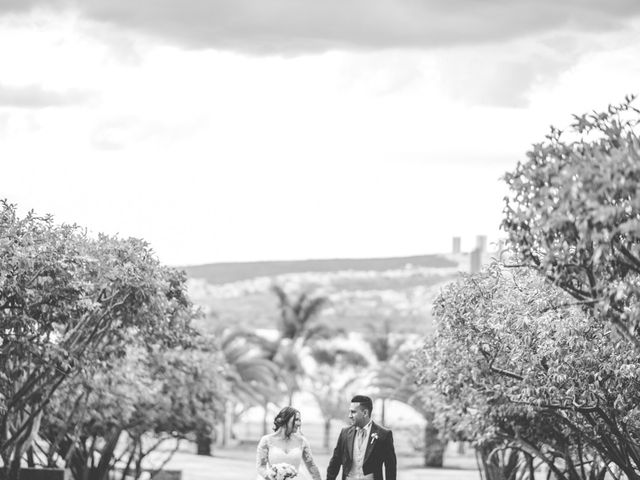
(333, 377)
(251, 375)
(395, 381)
(380, 341)
(297, 316)
(298, 329)
(384, 348)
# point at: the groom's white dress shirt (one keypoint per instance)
(359, 449)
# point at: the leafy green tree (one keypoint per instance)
(573, 213)
(127, 411)
(67, 299)
(197, 384)
(84, 435)
(528, 369)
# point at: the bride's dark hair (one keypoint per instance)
(282, 420)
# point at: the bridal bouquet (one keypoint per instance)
(283, 471)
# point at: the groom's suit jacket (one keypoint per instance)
(379, 451)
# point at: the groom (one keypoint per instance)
(363, 447)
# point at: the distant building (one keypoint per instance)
(456, 245)
(481, 243)
(476, 260)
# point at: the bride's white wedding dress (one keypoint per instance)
(270, 453)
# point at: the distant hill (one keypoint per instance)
(221, 273)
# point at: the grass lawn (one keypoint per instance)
(239, 464)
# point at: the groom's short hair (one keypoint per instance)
(364, 401)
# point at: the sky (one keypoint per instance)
(244, 130)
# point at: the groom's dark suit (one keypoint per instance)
(379, 451)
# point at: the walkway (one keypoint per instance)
(239, 464)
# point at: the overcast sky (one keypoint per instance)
(236, 130)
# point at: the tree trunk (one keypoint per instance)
(203, 443)
(384, 401)
(30, 458)
(483, 467)
(107, 453)
(14, 469)
(225, 417)
(23, 442)
(433, 447)
(125, 470)
(327, 432)
(264, 418)
(227, 424)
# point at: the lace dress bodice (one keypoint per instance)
(292, 457)
(269, 454)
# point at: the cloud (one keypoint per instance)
(121, 132)
(470, 31)
(118, 133)
(34, 96)
(4, 122)
(303, 26)
(506, 76)
(296, 26)
(11, 6)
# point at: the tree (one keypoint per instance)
(527, 368)
(66, 299)
(297, 315)
(89, 414)
(297, 330)
(384, 348)
(396, 380)
(573, 213)
(128, 410)
(333, 380)
(197, 383)
(252, 377)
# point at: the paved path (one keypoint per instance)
(239, 464)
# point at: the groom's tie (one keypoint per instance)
(361, 434)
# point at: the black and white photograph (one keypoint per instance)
(319, 240)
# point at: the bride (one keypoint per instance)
(285, 446)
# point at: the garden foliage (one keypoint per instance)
(72, 307)
(538, 361)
